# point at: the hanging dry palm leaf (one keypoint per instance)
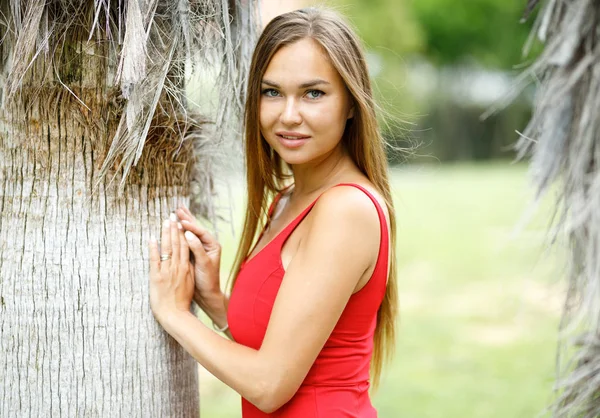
(149, 49)
(565, 148)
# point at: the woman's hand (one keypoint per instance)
(207, 258)
(171, 280)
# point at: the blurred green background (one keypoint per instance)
(438, 65)
(480, 288)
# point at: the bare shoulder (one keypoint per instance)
(351, 202)
(348, 199)
(349, 214)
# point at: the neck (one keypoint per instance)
(317, 176)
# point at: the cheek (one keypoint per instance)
(267, 114)
(328, 120)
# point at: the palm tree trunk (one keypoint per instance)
(97, 146)
(77, 337)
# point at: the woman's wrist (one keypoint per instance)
(213, 300)
(215, 306)
(170, 319)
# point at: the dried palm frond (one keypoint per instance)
(149, 48)
(565, 128)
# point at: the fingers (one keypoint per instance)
(184, 248)
(186, 210)
(165, 244)
(196, 247)
(154, 258)
(184, 214)
(174, 239)
(175, 244)
(202, 233)
(190, 223)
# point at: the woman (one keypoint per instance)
(313, 301)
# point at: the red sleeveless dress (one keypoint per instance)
(338, 382)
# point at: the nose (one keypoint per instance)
(291, 114)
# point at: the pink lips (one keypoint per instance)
(297, 142)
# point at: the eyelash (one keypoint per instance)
(265, 91)
(321, 93)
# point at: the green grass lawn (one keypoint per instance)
(479, 302)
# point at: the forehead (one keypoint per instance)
(300, 61)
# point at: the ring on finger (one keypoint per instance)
(165, 257)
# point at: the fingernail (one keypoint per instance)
(173, 217)
(166, 224)
(179, 226)
(188, 235)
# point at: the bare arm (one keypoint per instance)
(340, 245)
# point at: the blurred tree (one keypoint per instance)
(486, 30)
(455, 132)
(444, 31)
(385, 26)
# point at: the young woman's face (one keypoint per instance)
(304, 103)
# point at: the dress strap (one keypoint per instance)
(273, 205)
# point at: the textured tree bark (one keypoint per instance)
(77, 337)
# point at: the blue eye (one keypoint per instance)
(270, 92)
(314, 94)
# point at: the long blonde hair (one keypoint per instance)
(266, 173)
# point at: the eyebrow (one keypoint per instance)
(310, 83)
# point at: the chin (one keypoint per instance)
(302, 156)
(297, 159)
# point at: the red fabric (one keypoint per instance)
(337, 384)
